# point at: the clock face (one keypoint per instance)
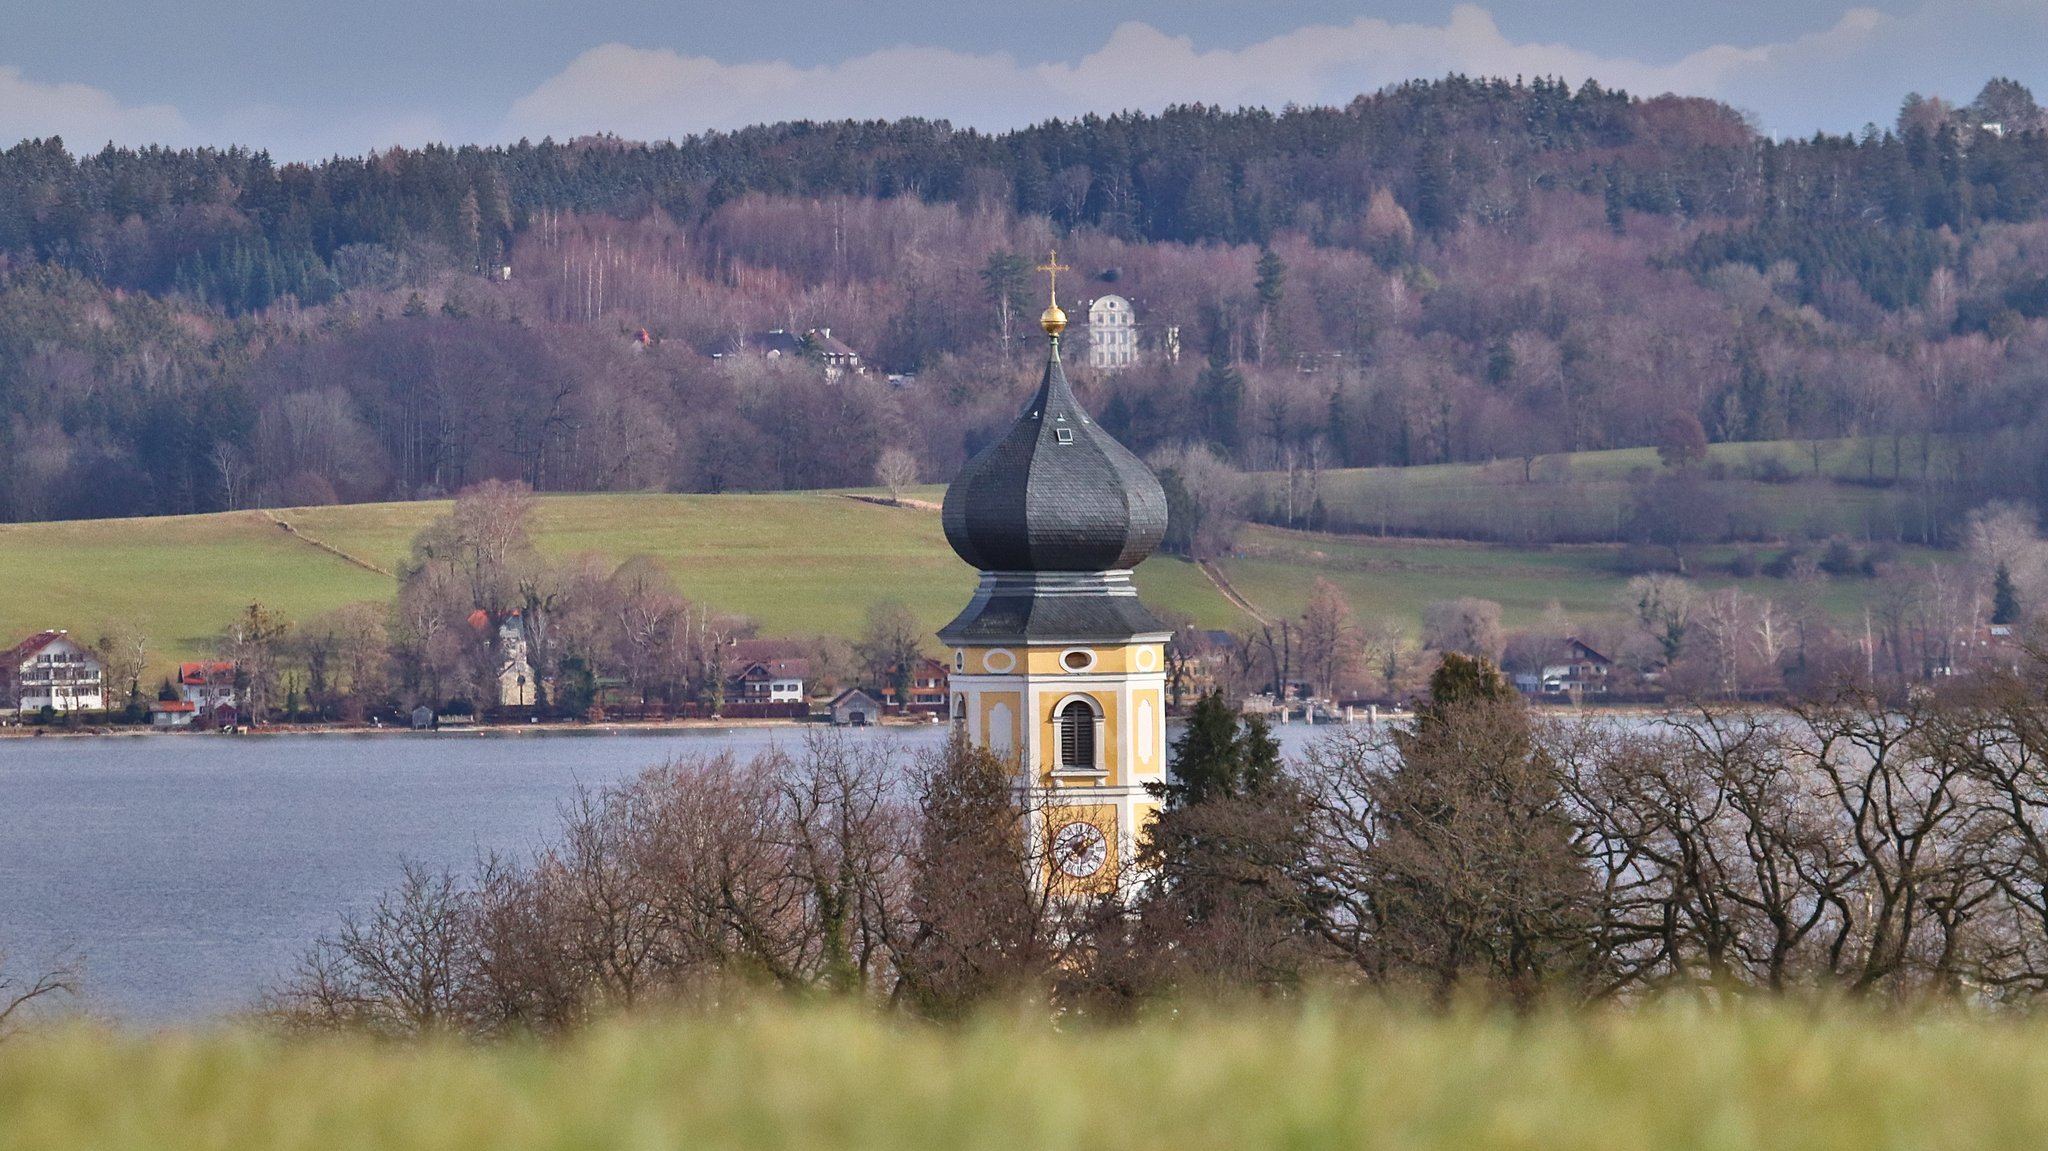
(1079, 850)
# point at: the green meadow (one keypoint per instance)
(782, 1077)
(1863, 489)
(799, 563)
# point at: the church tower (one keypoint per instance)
(1055, 661)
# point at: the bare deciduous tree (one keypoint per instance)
(123, 652)
(896, 470)
(1329, 639)
(22, 996)
(1467, 625)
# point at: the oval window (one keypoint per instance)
(1078, 659)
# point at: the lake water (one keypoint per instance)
(190, 872)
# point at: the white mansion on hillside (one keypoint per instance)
(1114, 340)
(1112, 334)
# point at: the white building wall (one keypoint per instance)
(64, 676)
(1112, 334)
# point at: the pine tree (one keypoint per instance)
(1227, 899)
(1220, 756)
(1272, 282)
(2005, 598)
(1223, 400)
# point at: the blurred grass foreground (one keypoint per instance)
(818, 1077)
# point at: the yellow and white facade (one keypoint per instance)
(1086, 724)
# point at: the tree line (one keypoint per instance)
(1457, 270)
(1851, 845)
(237, 228)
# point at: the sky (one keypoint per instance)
(309, 81)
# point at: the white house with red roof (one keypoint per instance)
(49, 669)
(173, 713)
(207, 686)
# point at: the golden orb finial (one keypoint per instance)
(1053, 320)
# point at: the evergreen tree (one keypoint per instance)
(1271, 288)
(1221, 756)
(1222, 401)
(1271, 285)
(2005, 598)
(1227, 899)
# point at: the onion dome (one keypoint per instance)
(1056, 493)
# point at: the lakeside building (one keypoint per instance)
(769, 681)
(206, 687)
(49, 669)
(1055, 660)
(855, 708)
(170, 713)
(927, 687)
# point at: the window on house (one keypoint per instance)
(1077, 736)
(1064, 435)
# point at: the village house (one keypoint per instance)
(819, 344)
(769, 681)
(837, 355)
(1576, 669)
(929, 686)
(49, 670)
(207, 686)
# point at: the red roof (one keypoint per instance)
(173, 705)
(33, 644)
(747, 651)
(200, 674)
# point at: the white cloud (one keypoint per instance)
(293, 135)
(1836, 78)
(86, 117)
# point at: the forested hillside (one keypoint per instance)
(1448, 271)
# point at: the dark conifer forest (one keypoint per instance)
(1443, 271)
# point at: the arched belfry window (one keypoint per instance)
(1077, 736)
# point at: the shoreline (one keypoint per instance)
(573, 729)
(493, 730)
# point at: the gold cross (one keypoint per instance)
(1053, 266)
